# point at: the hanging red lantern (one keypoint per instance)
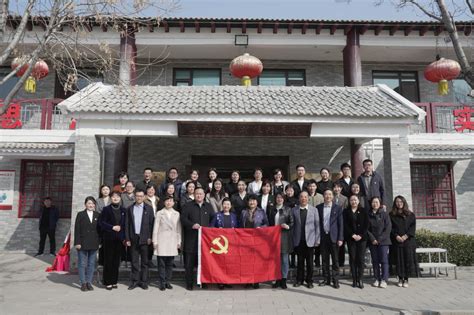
(40, 70)
(246, 67)
(441, 71)
(17, 62)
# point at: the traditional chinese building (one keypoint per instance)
(330, 92)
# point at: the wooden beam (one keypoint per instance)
(197, 26)
(394, 29)
(333, 29)
(378, 29)
(275, 28)
(408, 30)
(259, 27)
(304, 28)
(364, 29)
(228, 27)
(347, 29)
(423, 30)
(290, 27)
(244, 27)
(319, 28)
(213, 27)
(181, 26)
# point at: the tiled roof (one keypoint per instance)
(360, 102)
(35, 148)
(445, 151)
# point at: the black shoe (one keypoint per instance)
(189, 287)
(89, 286)
(114, 286)
(168, 286)
(297, 284)
(228, 286)
(256, 285)
(204, 286)
(324, 283)
(133, 286)
(38, 254)
(162, 288)
(360, 284)
(109, 287)
(144, 286)
(310, 285)
(248, 285)
(220, 286)
(354, 283)
(83, 287)
(336, 284)
(276, 284)
(283, 283)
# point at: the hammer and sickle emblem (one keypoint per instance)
(222, 248)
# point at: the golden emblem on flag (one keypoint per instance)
(221, 248)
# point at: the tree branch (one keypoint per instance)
(423, 9)
(470, 6)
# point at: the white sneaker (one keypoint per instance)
(405, 284)
(383, 284)
(400, 283)
(376, 283)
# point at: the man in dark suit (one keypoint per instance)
(194, 215)
(138, 234)
(147, 175)
(49, 216)
(332, 236)
(300, 183)
(371, 183)
(346, 180)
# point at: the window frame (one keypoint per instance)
(190, 81)
(286, 75)
(399, 77)
(450, 167)
(22, 188)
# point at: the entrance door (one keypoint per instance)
(245, 164)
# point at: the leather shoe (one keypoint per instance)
(144, 286)
(221, 286)
(133, 286)
(162, 288)
(189, 287)
(168, 286)
(336, 284)
(204, 286)
(360, 284)
(83, 287)
(324, 283)
(297, 284)
(256, 285)
(89, 286)
(309, 285)
(276, 284)
(354, 283)
(283, 283)
(109, 287)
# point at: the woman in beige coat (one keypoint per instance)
(166, 241)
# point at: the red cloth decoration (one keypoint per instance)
(61, 262)
(239, 255)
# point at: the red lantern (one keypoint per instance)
(441, 71)
(246, 67)
(16, 62)
(40, 70)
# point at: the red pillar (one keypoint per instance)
(128, 57)
(353, 77)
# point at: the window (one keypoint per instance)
(432, 189)
(461, 91)
(187, 77)
(40, 179)
(6, 87)
(404, 83)
(282, 78)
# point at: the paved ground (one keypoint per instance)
(26, 289)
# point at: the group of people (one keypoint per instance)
(317, 219)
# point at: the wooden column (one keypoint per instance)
(353, 77)
(128, 57)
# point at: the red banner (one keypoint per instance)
(232, 256)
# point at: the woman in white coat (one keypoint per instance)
(166, 241)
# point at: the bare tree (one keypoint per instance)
(439, 11)
(66, 28)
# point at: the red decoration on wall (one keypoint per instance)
(441, 71)
(246, 67)
(11, 118)
(463, 119)
(16, 62)
(40, 70)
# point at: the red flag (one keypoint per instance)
(239, 255)
(61, 261)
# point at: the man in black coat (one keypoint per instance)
(371, 183)
(346, 180)
(194, 215)
(332, 237)
(138, 234)
(300, 183)
(49, 216)
(147, 175)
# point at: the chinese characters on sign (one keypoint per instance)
(11, 119)
(7, 181)
(463, 119)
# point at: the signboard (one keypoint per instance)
(7, 182)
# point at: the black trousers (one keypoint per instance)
(112, 254)
(317, 256)
(165, 269)
(356, 258)
(51, 233)
(329, 249)
(305, 256)
(190, 261)
(139, 254)
(342, 254)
